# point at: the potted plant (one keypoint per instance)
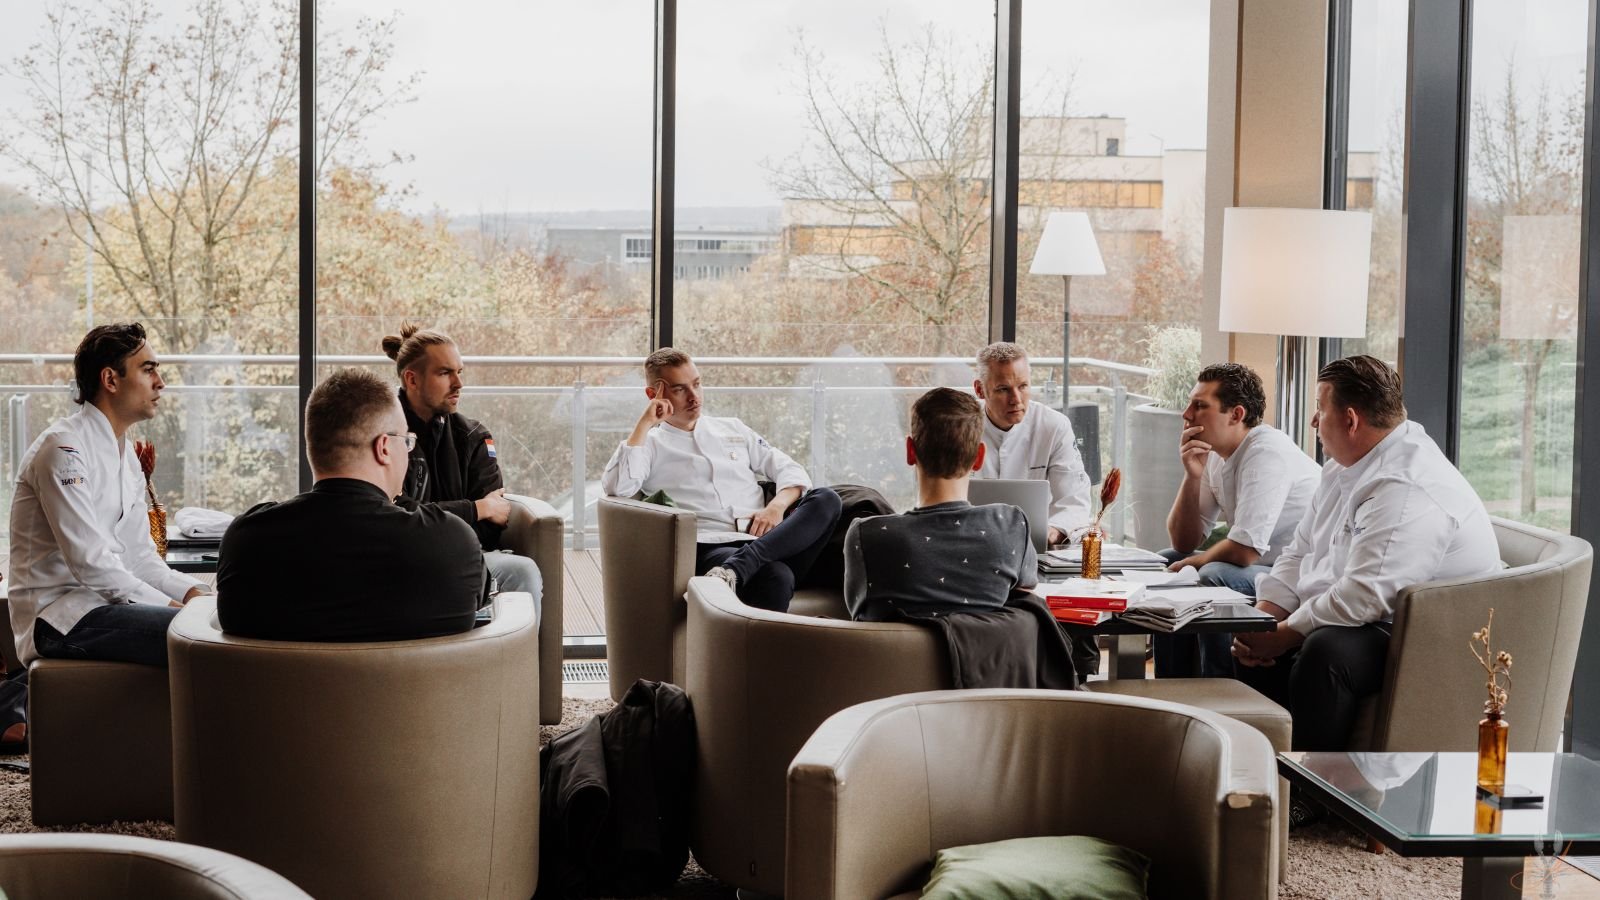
(1154, 429)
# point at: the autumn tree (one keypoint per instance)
(155, 142)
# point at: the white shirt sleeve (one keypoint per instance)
(627, 469)
(1260, 493)
(1398, 536)
(1069, 483)
(1278, 585)
(64, 488)
(773, 464)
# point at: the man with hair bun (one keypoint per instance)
(454, 465)
(343, 561)
(1030, 440)
(1390, 511)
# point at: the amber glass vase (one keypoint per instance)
(1091, 553)
(1492, 733)
(158, 524)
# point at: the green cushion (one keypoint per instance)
(1062, 868)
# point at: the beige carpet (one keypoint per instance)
(1326, 862)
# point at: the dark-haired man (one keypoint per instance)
(342, 561)
(1246, 473)
(1390, 511)
(709, 465)
(87, 582)
(946, 555)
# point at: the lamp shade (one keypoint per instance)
(1067, 247)
(1296, 272)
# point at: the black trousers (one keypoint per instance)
(768, 567)
(1323, 681)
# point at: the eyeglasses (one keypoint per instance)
(410, 438)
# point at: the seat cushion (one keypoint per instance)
(1226, 696)
(1065, 868)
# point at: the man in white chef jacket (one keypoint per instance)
(87, 582)
(1248, 474)
(709, 465)
(1029, 440)
(1390, 511)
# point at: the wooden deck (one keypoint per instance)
(583, 612)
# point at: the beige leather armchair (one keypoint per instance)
(646, 561)
(881, 787)
(760, 683)
(536, 531)
(397, 769)
(1433, 695)
(114, 866)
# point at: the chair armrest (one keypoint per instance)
(536, 531)
(647, 555)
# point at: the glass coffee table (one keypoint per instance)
(1427, 804)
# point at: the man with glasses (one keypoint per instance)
(87, 582)
(343, 561)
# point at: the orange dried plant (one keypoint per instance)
(146, 452)
(1108, 492)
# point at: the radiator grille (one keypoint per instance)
(585, 672)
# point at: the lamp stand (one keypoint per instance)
(1066, 338)
(1292, 358)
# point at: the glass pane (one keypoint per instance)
(1128, 151)
(1524, 195)
(168, 198)
(1375, 165)
(833, 178)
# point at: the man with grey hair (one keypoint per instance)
(1029, 440)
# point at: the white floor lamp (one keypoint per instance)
(1067, 248)
(1297, 274)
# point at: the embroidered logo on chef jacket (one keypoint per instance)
(69, 468)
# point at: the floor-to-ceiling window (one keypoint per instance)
(148, 173)
(1374, 170)
(1524, 196)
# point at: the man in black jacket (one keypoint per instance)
(453, 465)
(343, 562)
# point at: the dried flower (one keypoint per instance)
(1495, 665)
(1108, 492)
(146, 451)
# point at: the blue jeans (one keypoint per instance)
(516, 574)
(118, 632)
(1204, 655)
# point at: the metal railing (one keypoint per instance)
(18, 434)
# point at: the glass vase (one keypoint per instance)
(1492, 733)
(158, 526)
(1091, 553)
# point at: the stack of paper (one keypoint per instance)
(1161, 611)
(1114, 558)
(1081, 601)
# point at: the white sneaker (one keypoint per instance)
(726, 576)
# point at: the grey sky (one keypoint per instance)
(547, 105)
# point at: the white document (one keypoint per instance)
(1164, 579)
(1189, 596)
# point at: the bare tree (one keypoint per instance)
(155, 142)
(898, 169)
(1527, 158)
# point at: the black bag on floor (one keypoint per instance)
(614, 798)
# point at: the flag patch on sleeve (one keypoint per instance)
(488, 444)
